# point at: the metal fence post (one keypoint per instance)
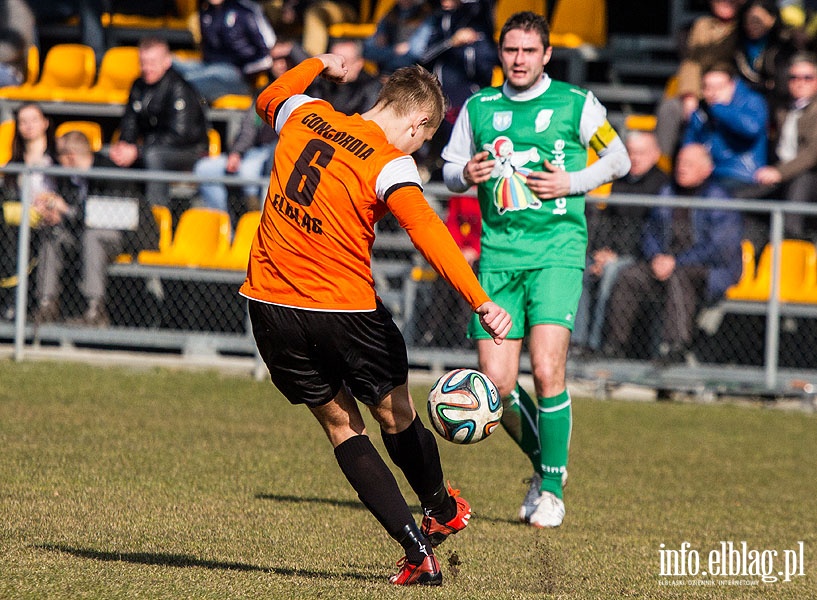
(772, 355)
(23, 242)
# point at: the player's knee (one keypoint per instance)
(504, 381)
(549, 374)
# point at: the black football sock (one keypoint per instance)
(414, 450)
(415, 544)
(375, 485)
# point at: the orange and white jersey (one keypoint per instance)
(333, 177)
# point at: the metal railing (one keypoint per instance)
(204, 298)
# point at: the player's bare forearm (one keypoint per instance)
(495, 320)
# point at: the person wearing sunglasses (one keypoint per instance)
(792, 172)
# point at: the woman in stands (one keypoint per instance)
(32, 145)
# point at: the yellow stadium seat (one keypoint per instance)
(214, 139)
(67, 67)
(232, 102)
(117, 72)
(184, 8)
(497, 77)
(201, 234)
(505, 8)
(184, 54)
(579, 22)
(798, 272)
(238, 254)
(603, 190)
(367, 22)
(33, 65)
(747, 276)
(6, 138)
(164, 222)
(802, 290)
(91, 129)
(640, 122)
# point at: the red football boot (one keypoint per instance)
(437, 532)
(426, 573)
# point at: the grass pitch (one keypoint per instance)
(119, 483)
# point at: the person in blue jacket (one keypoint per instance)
(691, 256)
(732, 121)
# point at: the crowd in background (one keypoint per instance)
(738, 121)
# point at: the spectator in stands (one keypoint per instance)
(390, 46)
(359, 90)
(101, 218)
(236, 40)
(458, 43)
(311, 20)
(249, 157)
(89, 13)
(711, 39)
(163, 126)
(32, 145)
(793, 173)
(285, 54)
(18, 16)
(690, 257)
(765, 46)
(614, 239)
(732, 122)
(251, 151)
(13, 57)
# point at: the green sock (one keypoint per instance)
(519, 417)
(555, 423)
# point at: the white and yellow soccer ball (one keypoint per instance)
(464, 406)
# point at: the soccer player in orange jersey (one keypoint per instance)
(323, 333)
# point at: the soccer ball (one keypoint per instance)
(464, 406)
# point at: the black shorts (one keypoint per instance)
(311, 354)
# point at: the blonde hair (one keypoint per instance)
(414, 88)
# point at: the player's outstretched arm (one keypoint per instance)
(296, 80)
(495, 320)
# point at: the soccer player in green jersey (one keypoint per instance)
(524, 146)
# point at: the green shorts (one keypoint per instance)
(534, 297)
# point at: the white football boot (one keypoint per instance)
(532, 497)
(549, 511)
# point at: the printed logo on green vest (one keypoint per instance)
(510, 190)
(503, 120)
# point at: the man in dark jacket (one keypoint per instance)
(614, 239)
(164, 125)
(102, 218)
(690, 257)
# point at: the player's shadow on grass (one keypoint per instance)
(186, 561)
(356, 504)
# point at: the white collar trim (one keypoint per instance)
(534, 91)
